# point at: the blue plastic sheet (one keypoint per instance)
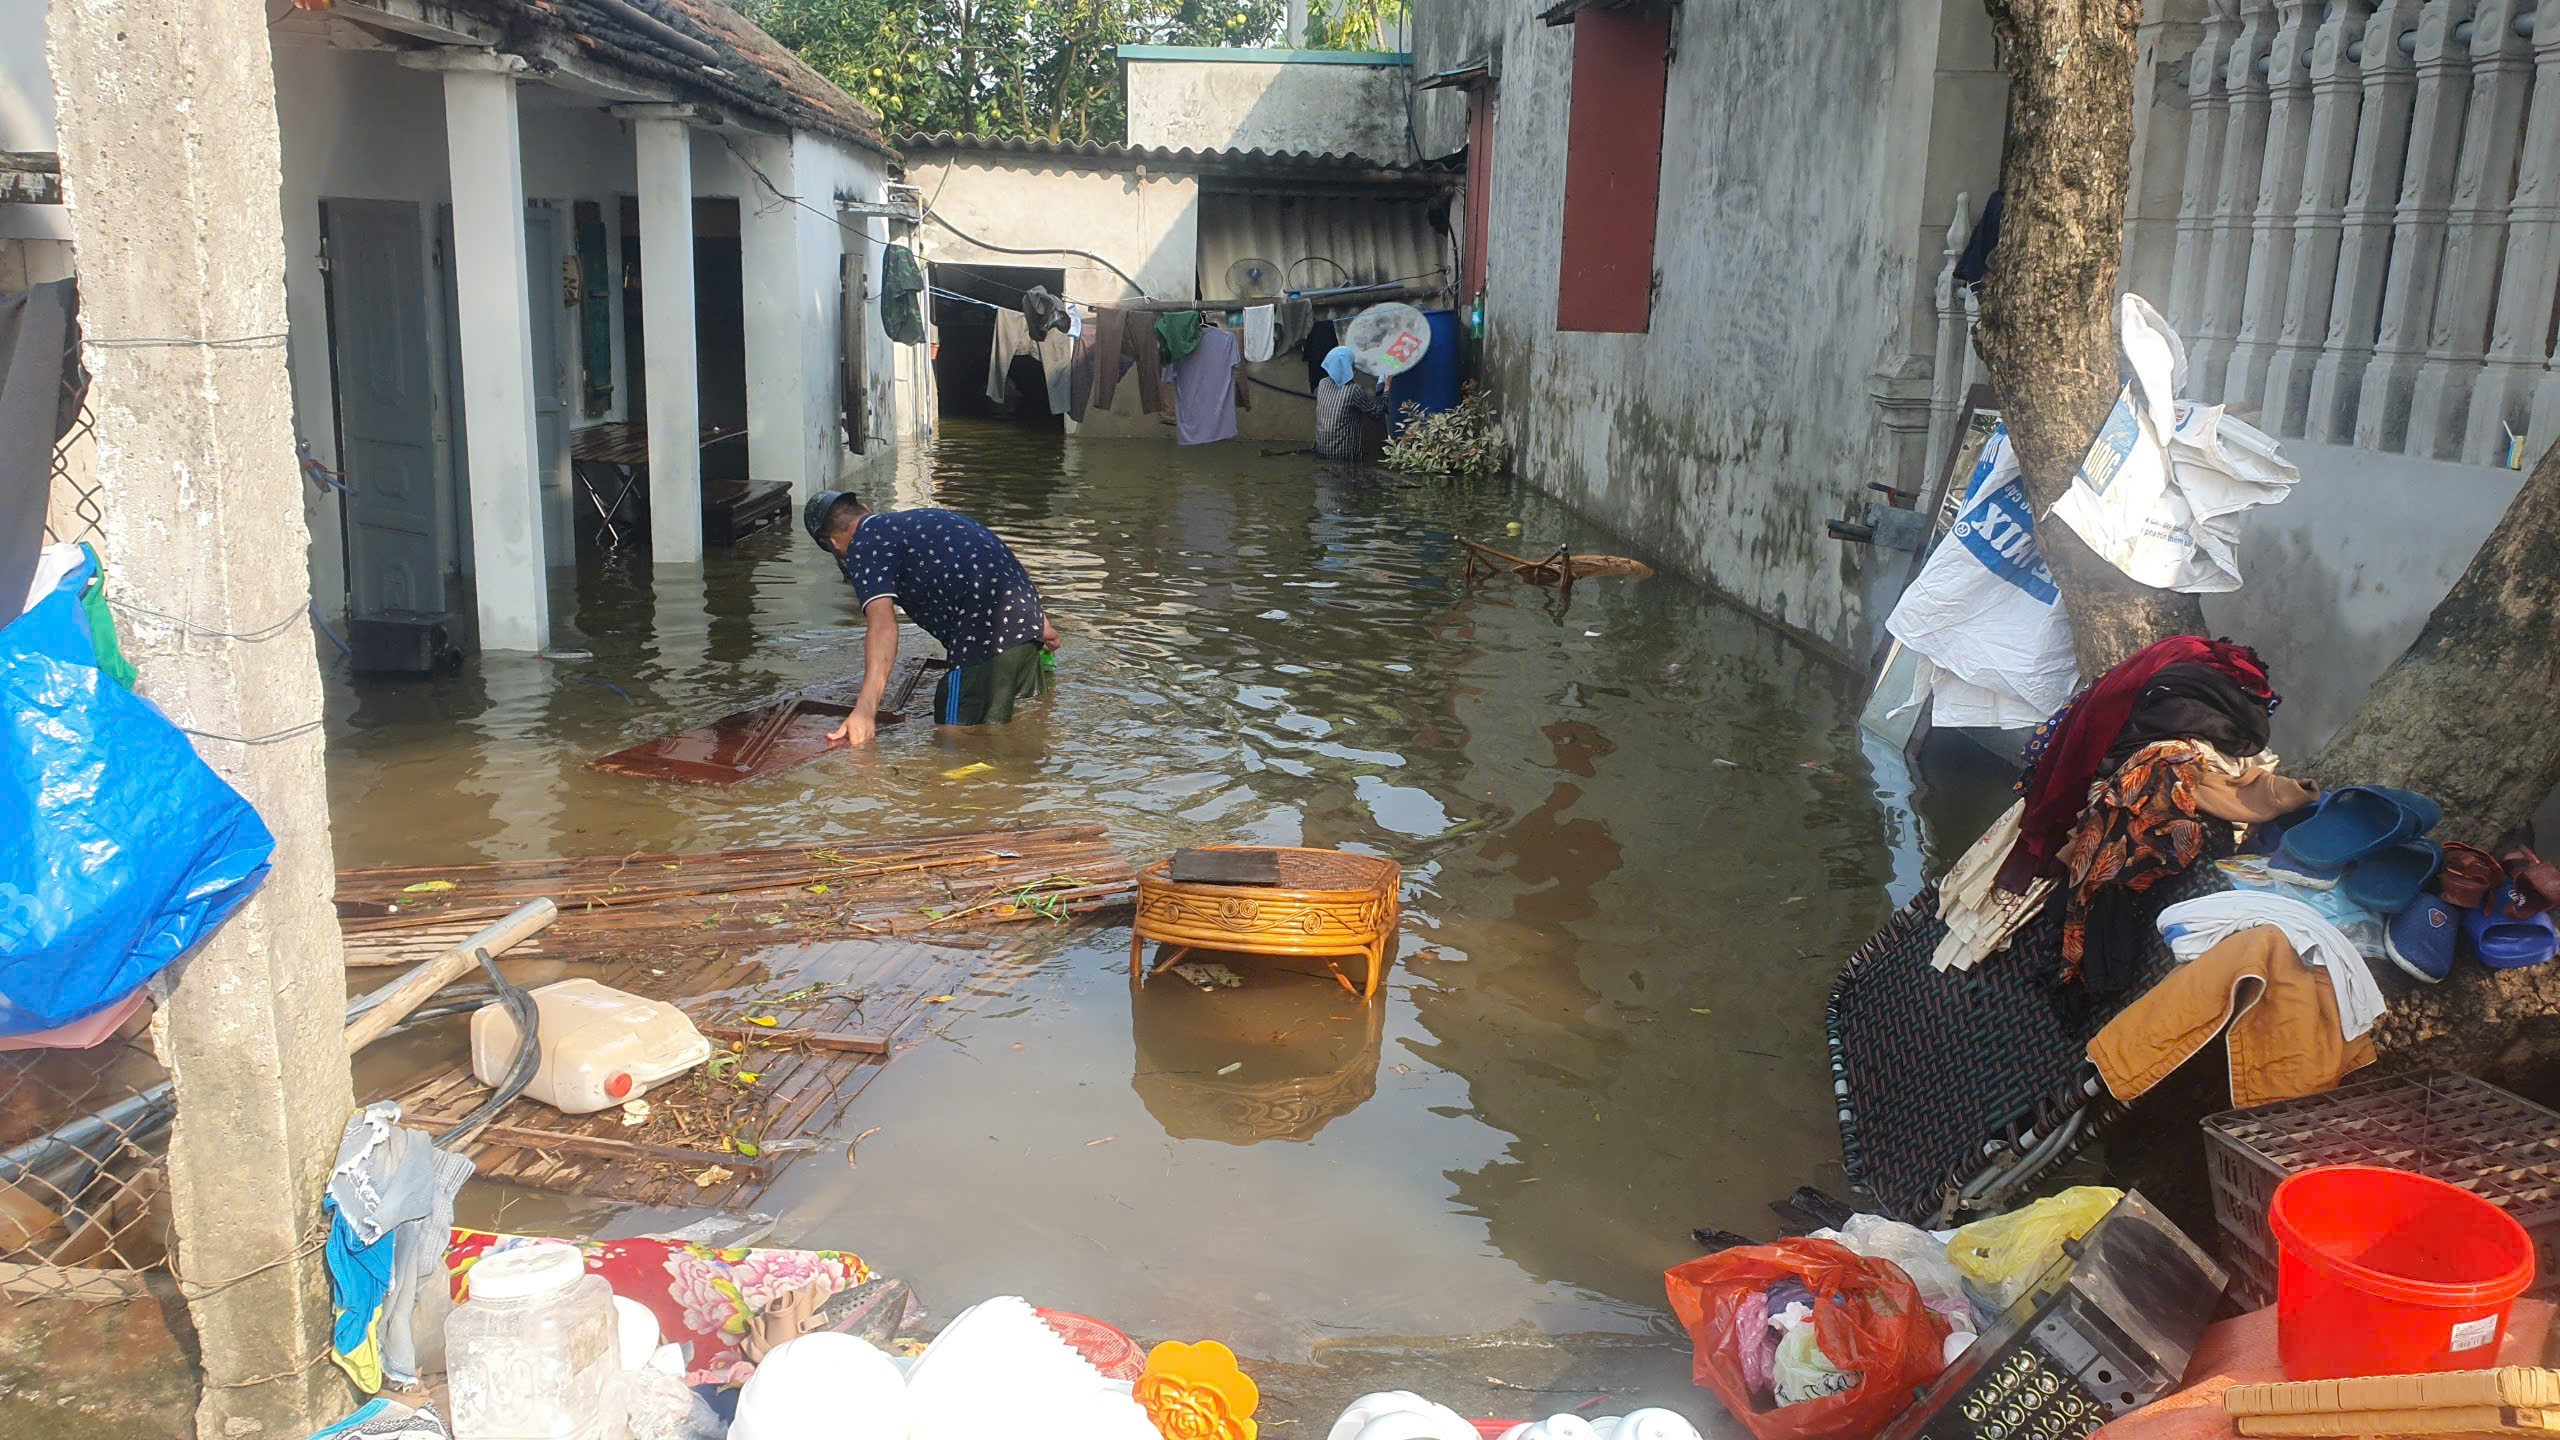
(120, 850)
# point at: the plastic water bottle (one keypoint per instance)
(534, 1353)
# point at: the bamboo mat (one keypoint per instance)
(869, 940)
(672, 905)
(887, 989)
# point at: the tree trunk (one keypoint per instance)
(2464, 716)
(2048, 312)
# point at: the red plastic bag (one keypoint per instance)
(1867, 1316)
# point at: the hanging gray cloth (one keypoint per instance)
(37, 346)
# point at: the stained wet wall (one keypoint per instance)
(1810, 159)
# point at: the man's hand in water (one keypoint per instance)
(856, 731)
(1048, 634)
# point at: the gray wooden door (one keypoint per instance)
(386, 408)
(542, 262)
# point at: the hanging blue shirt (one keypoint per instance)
(951, 575)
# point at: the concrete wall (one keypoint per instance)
(1147, 225)
(2342, 575)
(1321, 101)
(1796, 242)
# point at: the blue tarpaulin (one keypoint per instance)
(120, 849)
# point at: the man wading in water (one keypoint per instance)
(960, 584)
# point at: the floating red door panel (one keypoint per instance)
(1613, 169)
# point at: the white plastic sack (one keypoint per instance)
(2162, 489)
(1984, 616)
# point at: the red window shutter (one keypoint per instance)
(1613, 169)
(1479, 187)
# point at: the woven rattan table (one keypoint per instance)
(1326, 904)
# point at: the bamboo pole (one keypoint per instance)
(411, 990)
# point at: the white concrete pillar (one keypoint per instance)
(665, 146)
(2417, 228)
(2244, 145)
(487, 156)
(778, 317)
(2526, 298)
(2160, 123)
(2545, 428)
(2329, 159)
(2209, 111)
(170, 171)
(2279, 200)
(2389, 84)
(2475, 233)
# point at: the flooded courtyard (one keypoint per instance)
(1637, 830)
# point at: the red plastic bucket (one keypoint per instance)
(2382, 1272)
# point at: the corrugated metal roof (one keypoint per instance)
(1319, 242)
(755, 75)
(1101, 156)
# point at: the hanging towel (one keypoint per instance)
(1178, 331)
(1204, 389)
(2198, 925)
(1260, 333)
(359, 1280)
(901, 282)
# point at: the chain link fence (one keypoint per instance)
(83, 1131)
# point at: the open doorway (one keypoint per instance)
(720, 340)
(964, 319)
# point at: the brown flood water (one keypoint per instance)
(1626, 895)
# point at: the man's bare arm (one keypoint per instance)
(879, 657)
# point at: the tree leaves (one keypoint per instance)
(1022, 69)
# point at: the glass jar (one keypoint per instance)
(533, 1354)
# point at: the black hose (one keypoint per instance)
(1047, 250)
(520, 1071)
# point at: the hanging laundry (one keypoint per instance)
(1260, 333)
(1055, 352)
(1204, 388)
(1178, 331)
(901, 282)
(1125, 340)
(391, 1192)
(1293, 319)
(1322, 337)
(1042, 312)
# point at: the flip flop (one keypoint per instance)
(2505, 943)
(2537, 881)
(2388, 880)
(2421, 940)
(2266, 835)
(2352, 822)
(2468, 875)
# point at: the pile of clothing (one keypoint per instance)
(2137, 778)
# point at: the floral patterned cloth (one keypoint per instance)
(704, 1298)
(2142, 825)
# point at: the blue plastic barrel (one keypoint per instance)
(1433, 381)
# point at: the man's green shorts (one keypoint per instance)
(985, 693)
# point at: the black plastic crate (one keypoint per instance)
(2466, 1132)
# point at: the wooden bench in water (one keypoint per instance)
(1560, 568)
(764, 738)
